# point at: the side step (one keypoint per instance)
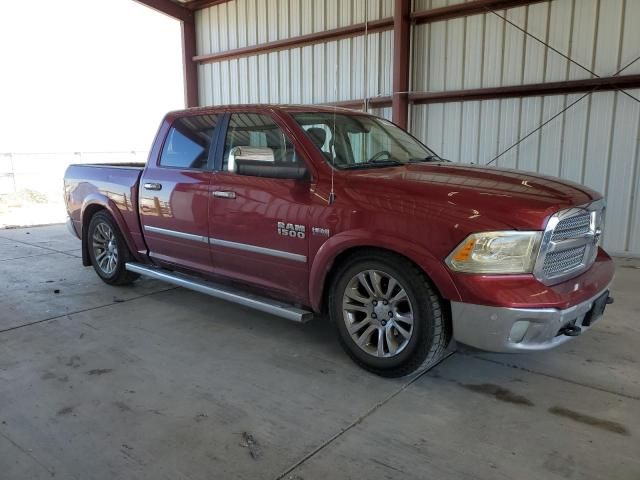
(223, 292)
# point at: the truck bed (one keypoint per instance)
(108, 185)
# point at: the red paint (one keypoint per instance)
(421, 211)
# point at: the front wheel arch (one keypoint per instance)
(338, 248)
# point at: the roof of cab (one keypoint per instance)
(262, 107)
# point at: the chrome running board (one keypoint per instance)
(223, 292)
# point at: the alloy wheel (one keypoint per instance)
(105, 248)
(377, 313)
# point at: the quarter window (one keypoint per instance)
(188, 143)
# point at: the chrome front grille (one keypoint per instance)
(572, 227)
(569, 243)
(563, 261)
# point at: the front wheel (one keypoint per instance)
(388, 316)
(108, 250)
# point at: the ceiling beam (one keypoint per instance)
(600, 84)
(169, 8)
(465, 9)
(200, 4)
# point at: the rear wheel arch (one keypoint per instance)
(87, 214)
(89, 209)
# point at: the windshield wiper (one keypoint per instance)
(430, 158)
(387, 162)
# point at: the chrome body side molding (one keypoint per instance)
(176, 234)
(223, 292)
(255, 249)
(227, 244)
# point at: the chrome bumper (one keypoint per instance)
(72, 228)
(501, 329)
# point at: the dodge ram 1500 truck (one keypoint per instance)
(303, 210)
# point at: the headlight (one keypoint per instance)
(496, 252)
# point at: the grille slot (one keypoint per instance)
(572, 227)
(563, 261)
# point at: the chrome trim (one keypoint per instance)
(223, 194)
(226, 243)
(174, 233)
(223, 292)
(489, 328)
(152, 186)
(255, 249)
(589, 240)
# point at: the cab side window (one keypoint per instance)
(188, 143)
(256, 146)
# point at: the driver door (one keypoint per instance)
(258, 224)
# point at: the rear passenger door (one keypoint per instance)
(258, 215)
(174, 195)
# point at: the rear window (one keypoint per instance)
(188, 143)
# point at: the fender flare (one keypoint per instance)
(324, 260)
(109, 205)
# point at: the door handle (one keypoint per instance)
(223, 194)
(152, 186)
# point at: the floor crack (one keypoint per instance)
(361, 418)
(36, 322)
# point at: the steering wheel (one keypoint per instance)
(379, 155)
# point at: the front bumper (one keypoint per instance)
(503, 329)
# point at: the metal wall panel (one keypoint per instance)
(337, 70)
(486, 51)
(595, 143)
(327, 72)
(242, 23)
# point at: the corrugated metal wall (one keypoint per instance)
(596, 142)
(325, 72)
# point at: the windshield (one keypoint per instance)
(360, 141)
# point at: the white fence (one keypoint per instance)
(43, 172)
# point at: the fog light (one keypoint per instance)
(518, 331)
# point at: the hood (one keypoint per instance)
(490, 197)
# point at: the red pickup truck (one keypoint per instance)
(303, 210)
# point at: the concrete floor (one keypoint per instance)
(155, 382)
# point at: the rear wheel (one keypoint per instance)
(108, 251)
(388, 316)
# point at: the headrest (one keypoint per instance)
(318, 135)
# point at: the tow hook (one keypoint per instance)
(610, 300)
(570, 331)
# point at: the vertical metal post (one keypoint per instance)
(401, 57)
(190, 67)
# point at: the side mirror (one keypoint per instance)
(249, 154)
(260, 162)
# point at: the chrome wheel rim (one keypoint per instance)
(105, 248)
(377, 313)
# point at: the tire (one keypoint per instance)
(406, 345)
(108, 251)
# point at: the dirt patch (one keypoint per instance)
(123, 407)
(99, 371)
(499, 393)
(589, 420)
(65, 411)
(252, 444)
